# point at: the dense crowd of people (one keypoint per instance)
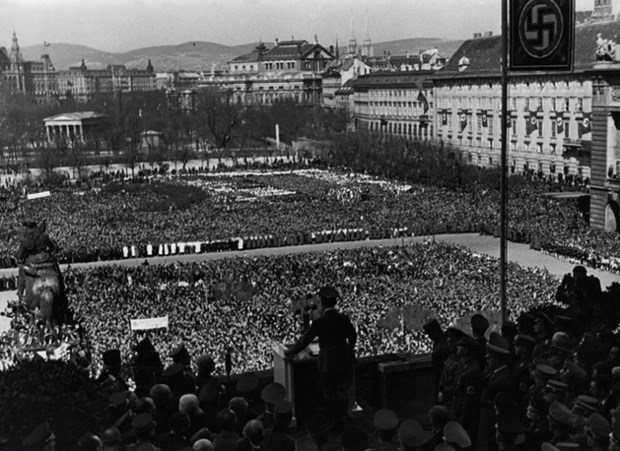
(91, 223)
(547, 379)
(246, 304)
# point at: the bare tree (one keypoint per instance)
(218, 116)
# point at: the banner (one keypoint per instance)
(149, 323)
(585, 126)
(463, 119)
(38, 195)
(559, 121)
(531, 124)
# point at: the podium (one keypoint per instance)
(300, 378)
(284, 371)
(283, 374)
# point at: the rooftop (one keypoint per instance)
(484, 54)
(76, 116)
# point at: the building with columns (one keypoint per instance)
(67, 128)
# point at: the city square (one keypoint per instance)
(372, 240)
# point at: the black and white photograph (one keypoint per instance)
(288, 225)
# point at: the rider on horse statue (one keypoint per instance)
(36, 258)
(36, 248)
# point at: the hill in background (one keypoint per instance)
(197, 55)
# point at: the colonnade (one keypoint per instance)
(69, 131)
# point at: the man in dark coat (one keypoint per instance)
(497, 379)
(337, 338)
(441, 350)
(580, 292)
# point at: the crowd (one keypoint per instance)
(91, 223)
(548, 379)
(246, 304)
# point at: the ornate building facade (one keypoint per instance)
(290, 69)
(37, 78)
(83, 83)
(395, 103)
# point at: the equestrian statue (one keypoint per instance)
(40, 286)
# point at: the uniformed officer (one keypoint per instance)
(497, 379)
(450, 367)
(466, 394)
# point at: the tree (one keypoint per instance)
(218, 116)
(58, 392)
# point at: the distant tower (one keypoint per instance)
(602, 11)
(367, 48)
(352, 40)
(16, 75)
(16, 54)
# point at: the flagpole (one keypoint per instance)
(504, 168)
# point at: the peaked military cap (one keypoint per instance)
(559, 413)
(173, 370)
(247, 382)
(273, 392)
(454, 432)
(385, 420)
(283, 407)
(545, 372)
(599, 425)
(306, 443)
(498, 344)
(410, 433)
(142, 422)
(39, 435)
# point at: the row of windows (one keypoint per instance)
(542, 126)
(408, 129)
(280, 65)
(534, 103)
(382, 93)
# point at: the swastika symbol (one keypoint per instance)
(540, 27)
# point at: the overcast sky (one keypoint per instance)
(122, 25)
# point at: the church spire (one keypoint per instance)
(367, 49)
(16, 55)
(352, 40)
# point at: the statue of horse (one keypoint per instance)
(43, 295)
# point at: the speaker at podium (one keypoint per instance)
(300, 377)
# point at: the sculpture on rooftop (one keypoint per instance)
(605, 48)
